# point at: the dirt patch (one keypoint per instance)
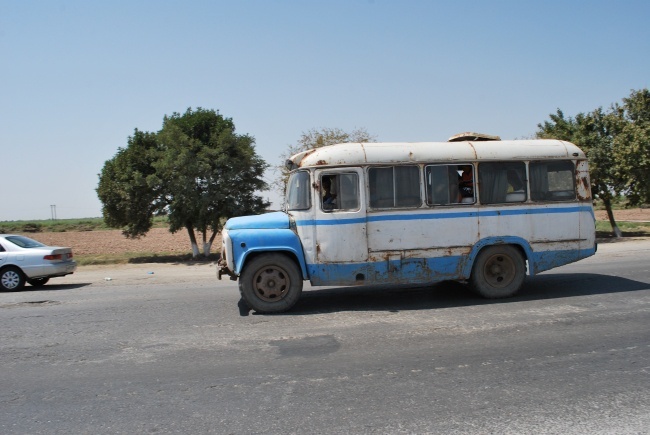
(628, 214)
(158, 240)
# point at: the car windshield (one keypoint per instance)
(24, 242)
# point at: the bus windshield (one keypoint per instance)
(298, 191)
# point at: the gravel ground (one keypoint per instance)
(143, 274)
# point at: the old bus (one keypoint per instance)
(482, 212)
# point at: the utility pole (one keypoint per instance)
(53, 211)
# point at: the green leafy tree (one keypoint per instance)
(316, 138)
(196, 170)
(128, 199)
(617, 143)
(631, 145)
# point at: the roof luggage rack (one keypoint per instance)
(472, 136)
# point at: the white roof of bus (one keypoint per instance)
(347, 154)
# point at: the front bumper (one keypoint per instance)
(225, 264)
(222, 269)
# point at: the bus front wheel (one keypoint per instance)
(498, 272)
(271, 283)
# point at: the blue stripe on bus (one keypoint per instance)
(442, 215)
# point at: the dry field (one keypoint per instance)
(160, 240)
(629, 215)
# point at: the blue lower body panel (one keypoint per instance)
(407, 271)
(426, 270)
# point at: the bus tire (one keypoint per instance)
(498, 272)
(271, 283)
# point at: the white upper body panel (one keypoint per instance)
(355, 154)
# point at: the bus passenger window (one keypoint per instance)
(340, 192)
(397, 186)
(502, 182)
(449, 184)
(552, 181)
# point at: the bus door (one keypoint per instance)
(340, 217)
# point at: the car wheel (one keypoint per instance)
(498, 272)
(271, 283)
(38, 282)
(11, 279)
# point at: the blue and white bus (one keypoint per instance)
(484, 212)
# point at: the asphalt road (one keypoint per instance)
(571, 354)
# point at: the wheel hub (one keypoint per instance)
(271, 283)
(499, 270)
(10, 280)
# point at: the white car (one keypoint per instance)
(25, 260)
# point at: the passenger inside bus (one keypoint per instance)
(466, 184)
(516, 187)
(329, 192)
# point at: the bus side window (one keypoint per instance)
(349, 191)
(340, 191)
(396, 186)
(449, 184)
(552, 181)
(502, 182)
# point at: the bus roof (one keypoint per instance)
(356, 154)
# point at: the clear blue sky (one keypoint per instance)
(77, 77)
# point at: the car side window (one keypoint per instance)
(2, 248)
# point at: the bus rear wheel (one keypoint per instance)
(498, 272)
(271, 283)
